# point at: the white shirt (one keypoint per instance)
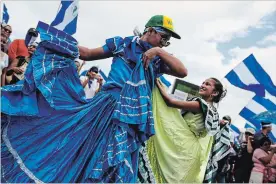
(232, 140)
(90, 92)
(4, 61)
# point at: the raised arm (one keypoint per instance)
(176, 67)
(265, 160)
(93, 54)
(249, 145)
(193, 106)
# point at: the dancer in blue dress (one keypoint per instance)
(51, 133)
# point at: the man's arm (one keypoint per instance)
(84, 81)
(93, 54)
(175, 66)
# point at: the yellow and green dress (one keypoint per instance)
(180, 148)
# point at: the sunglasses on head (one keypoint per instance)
(7, 30)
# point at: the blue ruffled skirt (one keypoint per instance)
(87, 146)
(52, 134)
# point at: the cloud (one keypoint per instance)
(268, 39)
(243, 16)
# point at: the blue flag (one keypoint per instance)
(5, 15)
(249, 75)
(66, 19)
(235, 130)
(256, 106)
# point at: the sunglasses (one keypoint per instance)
(7, 30)
(164, 38)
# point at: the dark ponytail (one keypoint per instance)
(220, 90)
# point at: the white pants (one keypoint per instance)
(256, 177)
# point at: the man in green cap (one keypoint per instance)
(137, 62)
(164, 22)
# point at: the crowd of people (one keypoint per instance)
(61, 126)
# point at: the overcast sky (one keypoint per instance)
(216, 35)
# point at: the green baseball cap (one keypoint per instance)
(164, 22)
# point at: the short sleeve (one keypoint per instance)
(12, 50)
(203, 106)
(114, 45)
(106, 49)
(258, 153)
(82, 78)
(210, 115)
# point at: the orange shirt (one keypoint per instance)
(17, 48)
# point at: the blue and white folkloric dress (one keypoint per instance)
(52, 134)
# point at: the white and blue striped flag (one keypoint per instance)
(249, 75)
(5, 15)
(256, 106)
(67, 16)
(235, 130)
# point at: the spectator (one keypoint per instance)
(266, 129)
(19, 46)
(264, 160)
(231, 158)
(16, 70)
(6, 31)
(4, 60)
(222, 161)
(92, 82)
(244, 162)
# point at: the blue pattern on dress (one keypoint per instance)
(53, 134)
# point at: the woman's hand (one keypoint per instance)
(163, 92)
(149, 55)
(161, 88)
(192, 106)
